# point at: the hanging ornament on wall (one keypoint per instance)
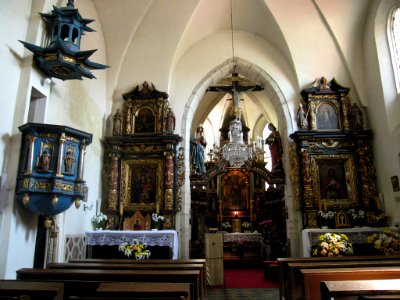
(62, 57)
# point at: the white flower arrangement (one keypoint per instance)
(356, 214)
(246, 225)
(157, 219)
(326, 215)
(226, 225)
(99, 221)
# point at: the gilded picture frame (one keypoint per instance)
(335, 181)
(236, 192)
(142, 184)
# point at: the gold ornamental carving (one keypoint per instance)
(294, 174)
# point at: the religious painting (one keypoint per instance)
(327, 117)
(142, 184)
(145, 121)
(334, 176)
(395, 183)
(235, 191)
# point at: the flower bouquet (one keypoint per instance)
(137, 249)
(246, 226)
(99, 221)
(332, 244)
(226, 226)
(358, 218)
(156, 221)
(387, 241)
(326, 218)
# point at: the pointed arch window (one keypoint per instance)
(394, 43)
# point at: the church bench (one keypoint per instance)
(86, 281)
(138, 265)
(312, 278)
(145, 289)
(352, 289)
(23, 297)
(287, 277)
(34, 290)
(294, 269)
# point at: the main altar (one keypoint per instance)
(102, 243)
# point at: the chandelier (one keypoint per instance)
(236, 152)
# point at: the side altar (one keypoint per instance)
(357, 236)
(105, 243)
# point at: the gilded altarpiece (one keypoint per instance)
(142, 161)
(333, 165)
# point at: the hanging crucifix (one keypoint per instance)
(236, 89)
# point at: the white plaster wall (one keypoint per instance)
(383, 104)
(78, 104)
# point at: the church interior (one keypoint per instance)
(200, 136)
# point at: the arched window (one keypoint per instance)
(394, 42)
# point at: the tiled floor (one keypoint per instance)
(242, 294)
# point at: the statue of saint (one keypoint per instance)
(302, 121)
(68, 160)
(356, 117)
(198, 145)
(117, 123)
(45, 161)
(274, 142)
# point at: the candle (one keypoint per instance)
(121, 208)
(320, 205)
(325, 208)
(157, 208)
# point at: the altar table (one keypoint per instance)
(243, 245)
(151, 238)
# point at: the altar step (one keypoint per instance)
(242, 263)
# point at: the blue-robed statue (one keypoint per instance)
(198, 144)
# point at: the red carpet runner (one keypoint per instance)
(247, 278)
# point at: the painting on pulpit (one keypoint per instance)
(235, 191)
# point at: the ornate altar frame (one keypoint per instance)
(331, 141)
(141, 161)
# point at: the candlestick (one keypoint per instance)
(121, 208)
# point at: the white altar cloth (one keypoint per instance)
(152, 238)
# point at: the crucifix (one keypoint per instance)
(236, 89)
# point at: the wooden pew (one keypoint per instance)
(86, 281)
(352, 289)
(295, 279)
(148, 289)
(287, 276)
(137, 265)
(34, 290)
(312, 278)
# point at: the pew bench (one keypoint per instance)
(353, 289)
(33, 290)
(139, 265)
(312, 278)
(288, 277)
(84, 282)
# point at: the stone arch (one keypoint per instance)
(280, 104)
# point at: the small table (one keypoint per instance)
(159, 238)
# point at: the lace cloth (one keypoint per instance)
(152, 238)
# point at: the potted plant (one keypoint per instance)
(357, 217)
(326, 219)
(99, 221)
(156, 221)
